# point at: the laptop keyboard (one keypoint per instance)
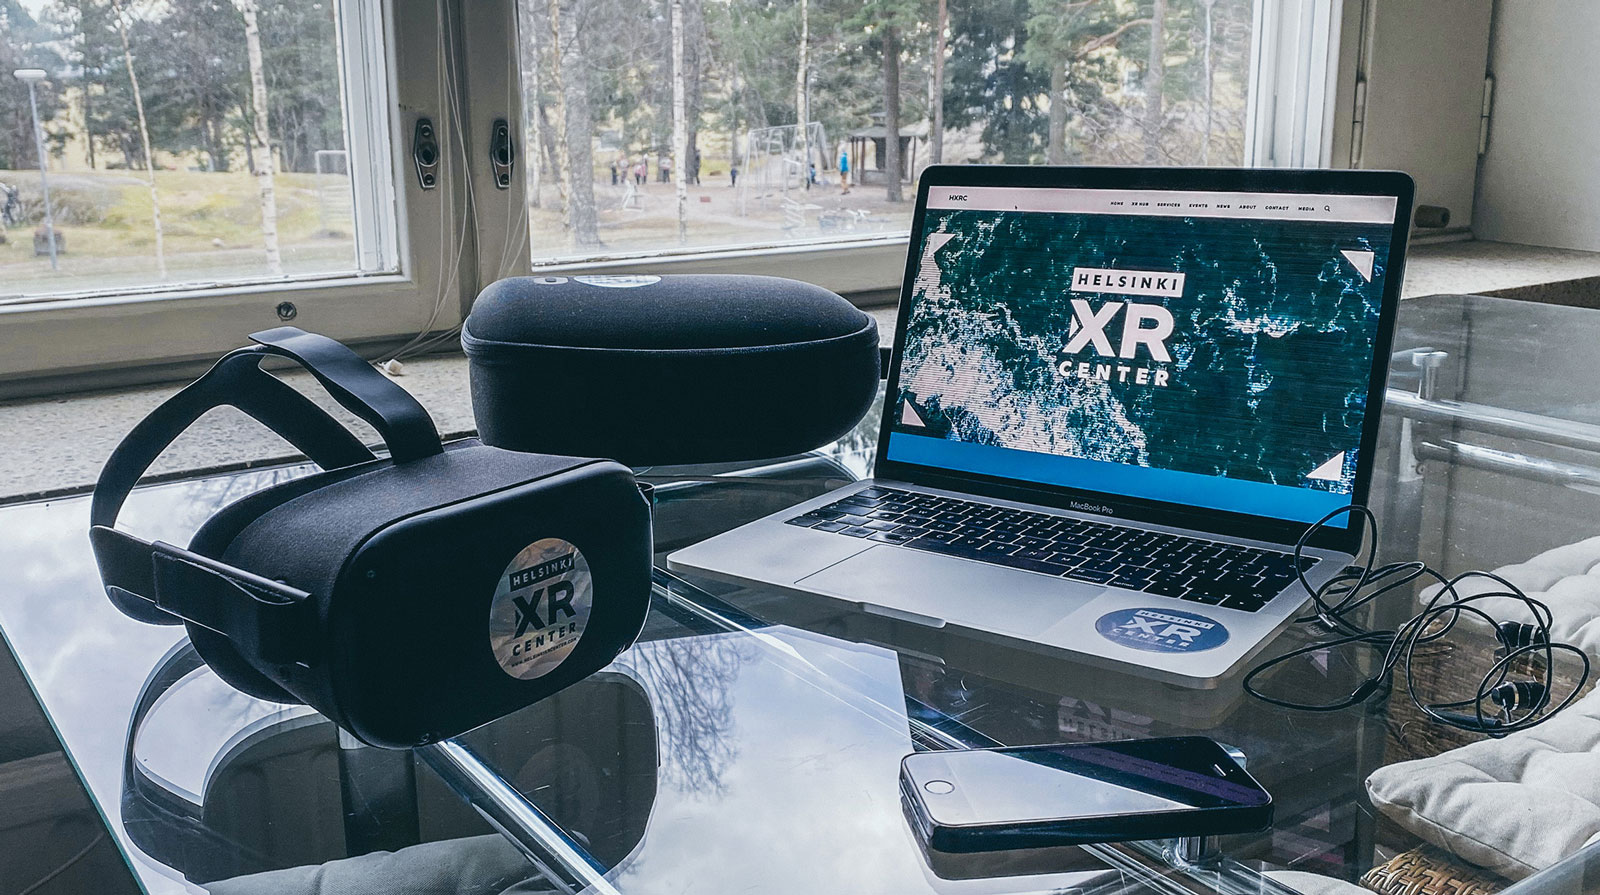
(1168, 565)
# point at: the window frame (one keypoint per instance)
(72, 342)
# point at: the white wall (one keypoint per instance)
(1540, 180)
(1424, 64)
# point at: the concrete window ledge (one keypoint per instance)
(56, 446)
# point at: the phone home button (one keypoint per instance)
(939, 787)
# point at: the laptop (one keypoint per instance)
(1117, 398)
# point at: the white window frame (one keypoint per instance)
(1294, 78)
(1288, 125)
(398, 64)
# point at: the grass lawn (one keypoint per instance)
(211, 224)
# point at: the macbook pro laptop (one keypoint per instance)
(1117, 399)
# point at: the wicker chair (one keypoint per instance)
(1426, 870)
(1444, 671)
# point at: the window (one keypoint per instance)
(188, 143)
(350, 243)
(671, 126)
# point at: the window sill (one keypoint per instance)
(56, 446)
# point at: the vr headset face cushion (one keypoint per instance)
(212, 540)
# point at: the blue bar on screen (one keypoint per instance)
(1186, 488)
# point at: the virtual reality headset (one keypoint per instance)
(407, 598)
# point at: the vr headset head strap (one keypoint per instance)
(134, 570)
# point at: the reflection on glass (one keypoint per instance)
(692, 685)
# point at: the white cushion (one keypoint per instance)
(1515, 805)
(1314, 883)
(1567, 579)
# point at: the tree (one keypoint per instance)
(193, 96)
(1210, 70)
(886, 21)
(802, 98)
(111, 120)
(24, 43)
(265, 179)
(680, 126)
(941, 25)
(1154, 77)
(84, 26)
(1062, 35)
(891, 113)
(570, 79)
(694, 65)
(990, 82)
(302, 79)
(144, 137)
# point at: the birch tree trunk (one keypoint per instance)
(940, 47)
(802, 111)
(144, 138)
(558, 87)
(1205, 148)
(571, 84)
(680, 124)
(534, 49)
(265, 180)
(1155, 73)
(891, 115)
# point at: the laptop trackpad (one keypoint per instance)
(959, 591)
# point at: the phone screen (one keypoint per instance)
(1070, 782)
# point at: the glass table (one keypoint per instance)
(750, 741)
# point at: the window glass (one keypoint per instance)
(185, 143)
(664, 125)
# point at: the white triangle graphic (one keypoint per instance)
(1331, 471)
(908, 416)
(1362, 261)
(936, 241)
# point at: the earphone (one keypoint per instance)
(1501, 705)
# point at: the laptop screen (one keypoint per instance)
(1208, 349)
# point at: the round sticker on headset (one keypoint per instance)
(541, 605)
(619, 281)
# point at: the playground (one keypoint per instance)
(787, 190)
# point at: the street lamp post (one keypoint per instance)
(32, 76)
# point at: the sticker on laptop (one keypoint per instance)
(618, 281)
(1162, 630)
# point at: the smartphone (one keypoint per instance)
(983, 800)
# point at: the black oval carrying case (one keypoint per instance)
(665, 370)
(408, 598)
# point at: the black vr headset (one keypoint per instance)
(407, 598)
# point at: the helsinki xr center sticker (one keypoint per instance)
(1161, 630)
(541, 605)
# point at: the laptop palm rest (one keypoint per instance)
(929, 589)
